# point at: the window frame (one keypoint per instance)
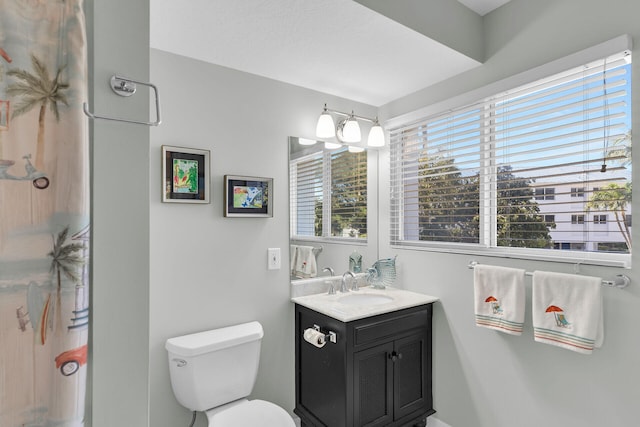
(606, 49)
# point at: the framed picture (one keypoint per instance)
(248, 196)
(185, 175)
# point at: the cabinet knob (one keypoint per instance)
(395, 356)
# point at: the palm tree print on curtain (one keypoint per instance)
(37, 90)
(44, 213)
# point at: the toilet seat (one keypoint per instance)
(251, 413)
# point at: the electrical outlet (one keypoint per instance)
(274, 261)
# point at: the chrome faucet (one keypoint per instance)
(332, 290)
(354, 284)
(343, 286)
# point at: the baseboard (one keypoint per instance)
(434, 422)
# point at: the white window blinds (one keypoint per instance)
(493, 173)
(329, 194)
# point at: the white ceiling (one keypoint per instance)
(338, 47)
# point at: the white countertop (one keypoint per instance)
(331, 306)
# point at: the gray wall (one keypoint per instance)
(119, 44)
(208, 271)
(487, 379)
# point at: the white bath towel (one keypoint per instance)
(305, 262)
(499, 298)
(567, 311)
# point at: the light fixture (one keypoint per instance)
(348, 129)
(331, 145)
(355, 149)
(325, 127)
(305, 141)
(376, 135)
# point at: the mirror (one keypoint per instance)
(333, 201)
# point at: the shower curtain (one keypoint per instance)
(44, 213)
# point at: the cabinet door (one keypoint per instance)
(322, 398)
(410, 373)
(373, 391)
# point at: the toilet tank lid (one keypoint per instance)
(216, 339)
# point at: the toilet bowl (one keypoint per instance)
(249, 413)
(214, 372)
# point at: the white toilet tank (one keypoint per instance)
(211, 368)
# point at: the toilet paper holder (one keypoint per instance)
(329, 336)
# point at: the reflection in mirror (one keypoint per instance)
(333, 208)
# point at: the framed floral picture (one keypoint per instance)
(247, 196)
(185, 175)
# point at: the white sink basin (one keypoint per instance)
(365, 299)
(363, 303)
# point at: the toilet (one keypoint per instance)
(214, 371)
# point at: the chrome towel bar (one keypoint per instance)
(124, 86)
(620, 281)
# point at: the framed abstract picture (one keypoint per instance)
(185, 175)
(247, 196)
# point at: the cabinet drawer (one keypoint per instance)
(388, 327)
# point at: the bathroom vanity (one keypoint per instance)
(378, 370)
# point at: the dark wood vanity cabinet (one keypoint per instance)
(377, 373)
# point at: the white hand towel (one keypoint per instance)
(293, 255)
(567, 311)
(499, 298)
(305, 262)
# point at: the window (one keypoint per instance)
(562, 245)
(491, 175)
(612, 247)
(599, 219)
(328, 194)
(577, 191)
(545, 193)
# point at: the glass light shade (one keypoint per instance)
(376, 136)
(351, 131)
(305, 141)
(332, 145)
(325, 127)
(355, 149)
